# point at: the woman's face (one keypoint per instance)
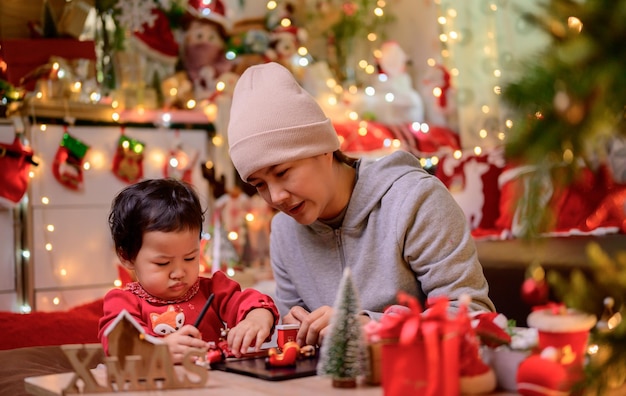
(167, 264)
(304, 189)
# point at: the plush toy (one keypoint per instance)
(204, 46)
(542, 375)
(437, 88)
(157, 48)
(16, 161)
(284, 43)
(490, 329)
(563, 335)
(395, 100)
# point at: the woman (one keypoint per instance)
(393, 224)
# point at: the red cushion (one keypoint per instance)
(473, 182)
(78, 325)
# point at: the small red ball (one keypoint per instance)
(535, 292)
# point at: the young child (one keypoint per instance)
(156, 226)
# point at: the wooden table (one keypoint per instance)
(229, 383)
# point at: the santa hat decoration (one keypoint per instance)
(489, 330)
(158, 40)
(212, 10)
(298, 33)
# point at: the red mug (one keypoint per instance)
(286, 333)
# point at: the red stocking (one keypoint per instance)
(68, 162)
(128, 160)
(179, 164)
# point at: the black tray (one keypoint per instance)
(256, 368)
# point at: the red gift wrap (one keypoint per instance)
(425, 358)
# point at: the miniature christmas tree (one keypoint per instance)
(344, 355)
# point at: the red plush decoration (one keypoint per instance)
(158, 40)
(128, 159)
(180, 165)
(476, 377)
(354, 142)
(438, 137)
(78, 325)
(67, 167)
(539, 376)
(582, 206)
(15, 162)
(489, 332)
(204, 46)
(473, 181)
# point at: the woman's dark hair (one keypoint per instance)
(166, 205)
(343, 158)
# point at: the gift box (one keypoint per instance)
(73, 18)
(428, 365)
(24, 56)
(420, 351)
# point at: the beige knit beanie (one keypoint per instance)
(274, 120)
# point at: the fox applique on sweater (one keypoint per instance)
(167, 322)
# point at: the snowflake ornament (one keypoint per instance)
(135, 14)
(165, 4)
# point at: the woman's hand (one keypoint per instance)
(313, 325)
(181, 341)
(251, 331)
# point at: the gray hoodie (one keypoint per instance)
(402, 230)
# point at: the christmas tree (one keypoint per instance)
(571, 96)
(571, 100)
(344, 355)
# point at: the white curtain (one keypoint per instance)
(482, 43)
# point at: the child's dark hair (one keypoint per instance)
(166, 205)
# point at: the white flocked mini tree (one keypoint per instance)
(343, 355)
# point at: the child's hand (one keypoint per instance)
(181, 341)
(252, 331)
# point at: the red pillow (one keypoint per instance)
(473, 182)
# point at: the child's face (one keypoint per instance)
(167, 264)
(303, 189)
